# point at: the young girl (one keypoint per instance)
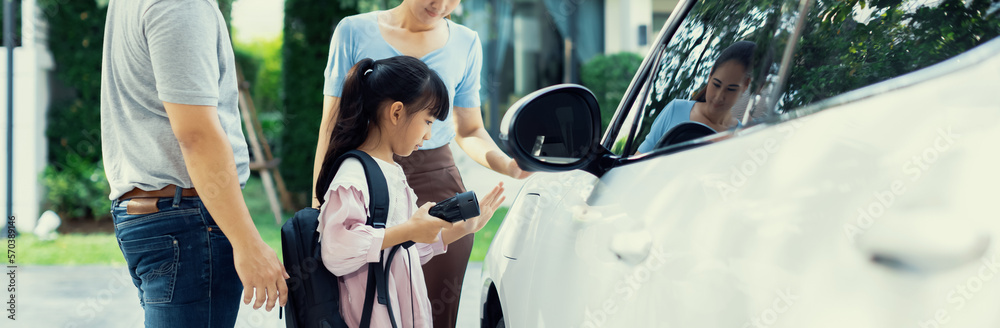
(387, 108)
(422, 29)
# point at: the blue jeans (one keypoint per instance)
(181, 262)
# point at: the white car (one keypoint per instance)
(859, 190)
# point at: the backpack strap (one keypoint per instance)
(378, 188)
(378, 195)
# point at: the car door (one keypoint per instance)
(580, 252)
(771, 224)
(752, 227)
(653, 248)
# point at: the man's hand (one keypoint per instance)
(262, 275)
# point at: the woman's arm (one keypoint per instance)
(657, 130)
(331, 106)
(472, 136)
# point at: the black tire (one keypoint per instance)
(492, 311)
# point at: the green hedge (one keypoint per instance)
(308, 28)
(608, 76)
(261, 64)
(74, 178)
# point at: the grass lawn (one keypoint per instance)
(71, 249)
(485, 237)
(102, 248)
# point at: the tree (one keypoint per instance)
(847, 50)
(608, 76)
(309, 25)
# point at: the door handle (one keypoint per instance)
(924, 244)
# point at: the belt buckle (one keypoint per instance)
(139, 206)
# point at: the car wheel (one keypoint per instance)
(492, 312)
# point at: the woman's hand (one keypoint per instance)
(515, 171)
(424, 228)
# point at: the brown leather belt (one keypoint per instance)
(167, 191)
(144, 202)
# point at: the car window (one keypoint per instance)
(851, 44)
(843, 46)
(686, 66)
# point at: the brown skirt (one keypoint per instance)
(433, 176)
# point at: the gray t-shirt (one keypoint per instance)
(159, 51)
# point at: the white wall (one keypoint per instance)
(527, 45)
(622, 19)
(32, 64)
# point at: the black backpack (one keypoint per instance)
(314, 296)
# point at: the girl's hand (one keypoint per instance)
(424, 228)
(487, 206)
(515, 171)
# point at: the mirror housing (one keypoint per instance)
(556, 129)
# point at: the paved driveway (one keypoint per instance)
(103, 296)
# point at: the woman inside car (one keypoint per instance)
(728, 79)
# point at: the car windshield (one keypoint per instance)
(723, 66)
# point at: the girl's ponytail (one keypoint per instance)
(351, 127)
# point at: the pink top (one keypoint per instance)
(347, 246)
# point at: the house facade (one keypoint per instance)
(531, 44)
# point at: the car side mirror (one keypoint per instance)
(554, 129)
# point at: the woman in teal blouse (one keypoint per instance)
(712, 105)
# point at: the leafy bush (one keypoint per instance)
(74, 178)
(261, 64)
(608, 77)
(78, 190)
(308, 28)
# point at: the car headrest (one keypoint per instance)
(686, 131)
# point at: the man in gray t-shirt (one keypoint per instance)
(176, 159)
